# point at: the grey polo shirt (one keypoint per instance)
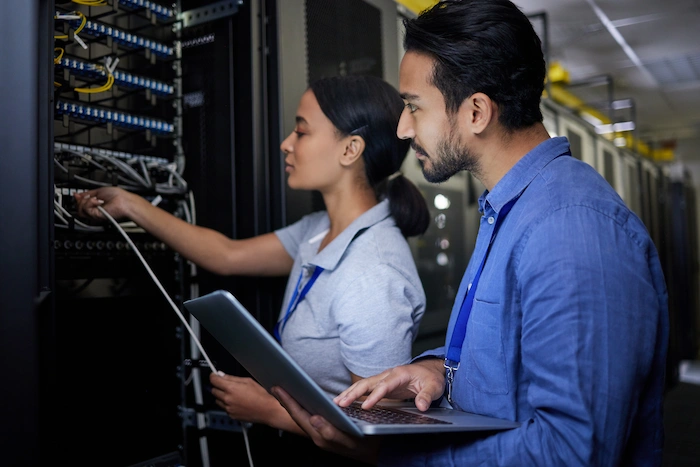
(362, 313)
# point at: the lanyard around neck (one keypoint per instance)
(460, 329)
(296, 298)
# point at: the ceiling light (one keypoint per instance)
(621, 41)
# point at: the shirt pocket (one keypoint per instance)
(485, 363)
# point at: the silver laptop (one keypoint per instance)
(223, 316)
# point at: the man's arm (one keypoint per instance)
(590, 330)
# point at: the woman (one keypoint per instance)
(364, 300)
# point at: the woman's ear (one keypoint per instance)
(354, 148)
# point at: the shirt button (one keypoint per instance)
(491, 220)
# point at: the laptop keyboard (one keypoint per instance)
(389, 416)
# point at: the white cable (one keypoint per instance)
(65, 212)
(193, 336)
(123, 166)
(146, 176)
(186, 210)
(244, 429)
(192, 207)
(88, 159)
(101, 184)
(160, 286)
(174, 173)
(195, 375)
(58, 214)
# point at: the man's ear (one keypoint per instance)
(477, 112)
(354, 147)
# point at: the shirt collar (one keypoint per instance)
(523, 172)
(331, 255)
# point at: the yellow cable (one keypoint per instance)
(83, 21)
(90, 2)
(106, 87)
(60, 54)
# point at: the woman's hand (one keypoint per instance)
(117, 202)
(245, 400)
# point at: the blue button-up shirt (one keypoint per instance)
(568, 331)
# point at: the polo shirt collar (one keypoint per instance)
(523, 173)
(331, 255)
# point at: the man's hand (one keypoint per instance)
(423, 381)
(325, 435)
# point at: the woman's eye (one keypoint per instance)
(411, 107)
(299, 133)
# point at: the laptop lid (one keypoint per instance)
(227, 320)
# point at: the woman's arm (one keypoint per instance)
(263, 255)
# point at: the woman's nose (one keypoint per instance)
(287, 145)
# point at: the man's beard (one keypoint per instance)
(450, 159)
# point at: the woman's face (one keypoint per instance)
(312, 151)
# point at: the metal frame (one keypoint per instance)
(201, 15)
(25, 267)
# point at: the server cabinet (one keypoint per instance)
(581, 138)
(679, 253)
(117, 122)
(609, 163)
(103, 366)
(632, 183)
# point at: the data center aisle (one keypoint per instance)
(682, 420)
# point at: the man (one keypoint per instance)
(565, 325)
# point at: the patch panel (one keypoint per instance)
(122, 37)
(161, 12)
(121, 78)
(115, 117)
(89, 169)
(58, 147)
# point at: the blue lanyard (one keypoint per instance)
(296, 298)
(460, 329)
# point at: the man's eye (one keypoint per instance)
(411, 107)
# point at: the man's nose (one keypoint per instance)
(405, 129)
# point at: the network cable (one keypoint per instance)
(160, 286)
(193, 336)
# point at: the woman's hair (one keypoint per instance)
(484, 46)
(370, 107)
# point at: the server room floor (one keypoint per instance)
(682, 419)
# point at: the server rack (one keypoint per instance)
(117, 121)
(103, 368)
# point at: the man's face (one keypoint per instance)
(435, 135)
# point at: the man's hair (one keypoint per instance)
(484, 46)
